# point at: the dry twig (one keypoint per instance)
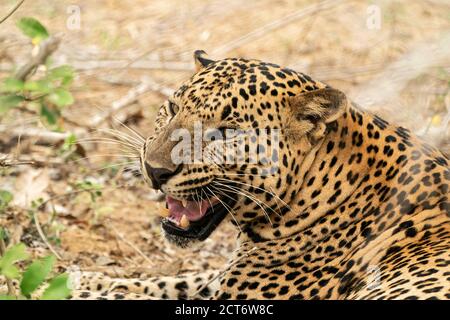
(132, 96)
(274, 25)
(42, 136)
(46, 48)
(17, 6)
(42, 235)
(5, 162)
(35, 160)
(81, 65)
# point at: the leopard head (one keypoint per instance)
(231, 143)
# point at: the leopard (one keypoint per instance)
(338, 204)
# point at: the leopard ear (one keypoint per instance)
(201, 60)
(313, 110)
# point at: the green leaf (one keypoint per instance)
(10, 271)
(63, 73)
(38, 86)
(35, 275)
(9, 101)
(12, 255)
(50, 115)
(61, 97)
(70, 140)
(58, 289)
(12, 85)
(69, 143)
(33, 29)
(5, 198)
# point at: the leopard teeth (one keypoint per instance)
(163, 212)
(184, 203)
(184, 222)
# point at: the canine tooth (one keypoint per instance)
(184, 202)
(184, 223)
(163, 212)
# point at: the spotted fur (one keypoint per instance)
(357, 209)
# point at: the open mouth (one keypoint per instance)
(195, 219)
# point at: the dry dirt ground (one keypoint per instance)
(397, 65)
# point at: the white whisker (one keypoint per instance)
(260, 201)
(258, 188)
(249, 196)
(229, 209)
(121, 135)
(139, 136)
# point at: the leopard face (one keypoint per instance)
(266, 121)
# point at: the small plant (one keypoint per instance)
(69, 145)
(35, 275)
(47, 94)
(5, 198)
(94, 189)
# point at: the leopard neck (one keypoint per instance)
(328, 177)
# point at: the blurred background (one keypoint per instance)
(75, 77)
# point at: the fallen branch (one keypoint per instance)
(81, 65)
(131, 97)
(88, 65)
(46, 48)
(28, 160)
(5, 162)
(41, 135)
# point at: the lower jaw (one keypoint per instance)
(197, 230)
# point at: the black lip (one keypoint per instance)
(202, 229)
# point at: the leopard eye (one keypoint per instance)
(213, 134)
(228, 132)
(173, 108)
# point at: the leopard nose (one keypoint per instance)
(159, 176)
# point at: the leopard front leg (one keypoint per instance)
(198, 285)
